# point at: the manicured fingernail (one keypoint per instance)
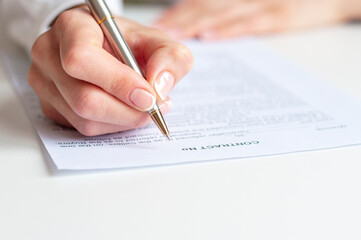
(142, 99)
(164, 84)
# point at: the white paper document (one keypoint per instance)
(240, 100)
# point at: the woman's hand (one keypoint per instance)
(214, 19)
(80, 83)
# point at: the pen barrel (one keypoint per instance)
(104, 17)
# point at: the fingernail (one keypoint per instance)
(142, 99)
(164, 84)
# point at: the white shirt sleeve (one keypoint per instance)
(27, 19)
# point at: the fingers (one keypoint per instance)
(198, 19)
(260, 23)
(86, 100)
(56, 108)
(175, 19)
(51, 113)
(166, 66)
(204, 25)
(169, 12)
(92, 103)
(83, 57)
(81, 84)
(212, 20)
(232, 15)
(163, 60)
(233, 20)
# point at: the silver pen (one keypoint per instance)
(103, 16)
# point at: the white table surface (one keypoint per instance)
(310, 195)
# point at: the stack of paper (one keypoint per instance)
(240, 100)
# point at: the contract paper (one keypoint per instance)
(240, 100)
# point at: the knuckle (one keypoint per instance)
(183, 55)
(32, 79)
(37, 48)
(85, 104)
(120, 88)
(74, 60)
(86, 127)
(52, 90)
(64, 19)
(47, 111)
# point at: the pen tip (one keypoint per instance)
(168, 137)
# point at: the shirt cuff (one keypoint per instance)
(42, 19)
(53, 14)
